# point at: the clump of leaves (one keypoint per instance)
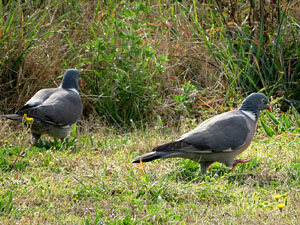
(120, 81)
(285, 122)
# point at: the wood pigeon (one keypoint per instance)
(54, 110)
(218, 139)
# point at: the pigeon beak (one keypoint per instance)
(269, 108)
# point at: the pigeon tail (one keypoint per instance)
(16, 117)
(171, 146)
(150, 157)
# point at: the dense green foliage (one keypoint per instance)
(141, 60)
(119, 76)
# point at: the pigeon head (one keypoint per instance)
(71, 79)
(255, 103)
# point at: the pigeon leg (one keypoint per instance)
(237, 161)
(204, 166)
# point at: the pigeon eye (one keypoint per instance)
(263, 101)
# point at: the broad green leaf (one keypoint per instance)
(267, 129)
(273, 118)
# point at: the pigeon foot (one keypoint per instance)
(237, 161)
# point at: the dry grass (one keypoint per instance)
(48, 58)
(56, 35)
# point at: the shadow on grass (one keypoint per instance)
(56, 144)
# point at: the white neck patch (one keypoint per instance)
(74, 90)
(250, 114)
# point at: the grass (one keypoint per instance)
(92, 181)
(147, 64)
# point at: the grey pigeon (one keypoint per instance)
(54, 110)
(218, 139)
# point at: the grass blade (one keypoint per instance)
(273, 118)
(266, 128)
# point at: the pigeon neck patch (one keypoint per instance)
(74, 90)
(250, 114)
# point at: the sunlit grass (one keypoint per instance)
(95, 177)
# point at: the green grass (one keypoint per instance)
(92, 181)
(146, 65)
